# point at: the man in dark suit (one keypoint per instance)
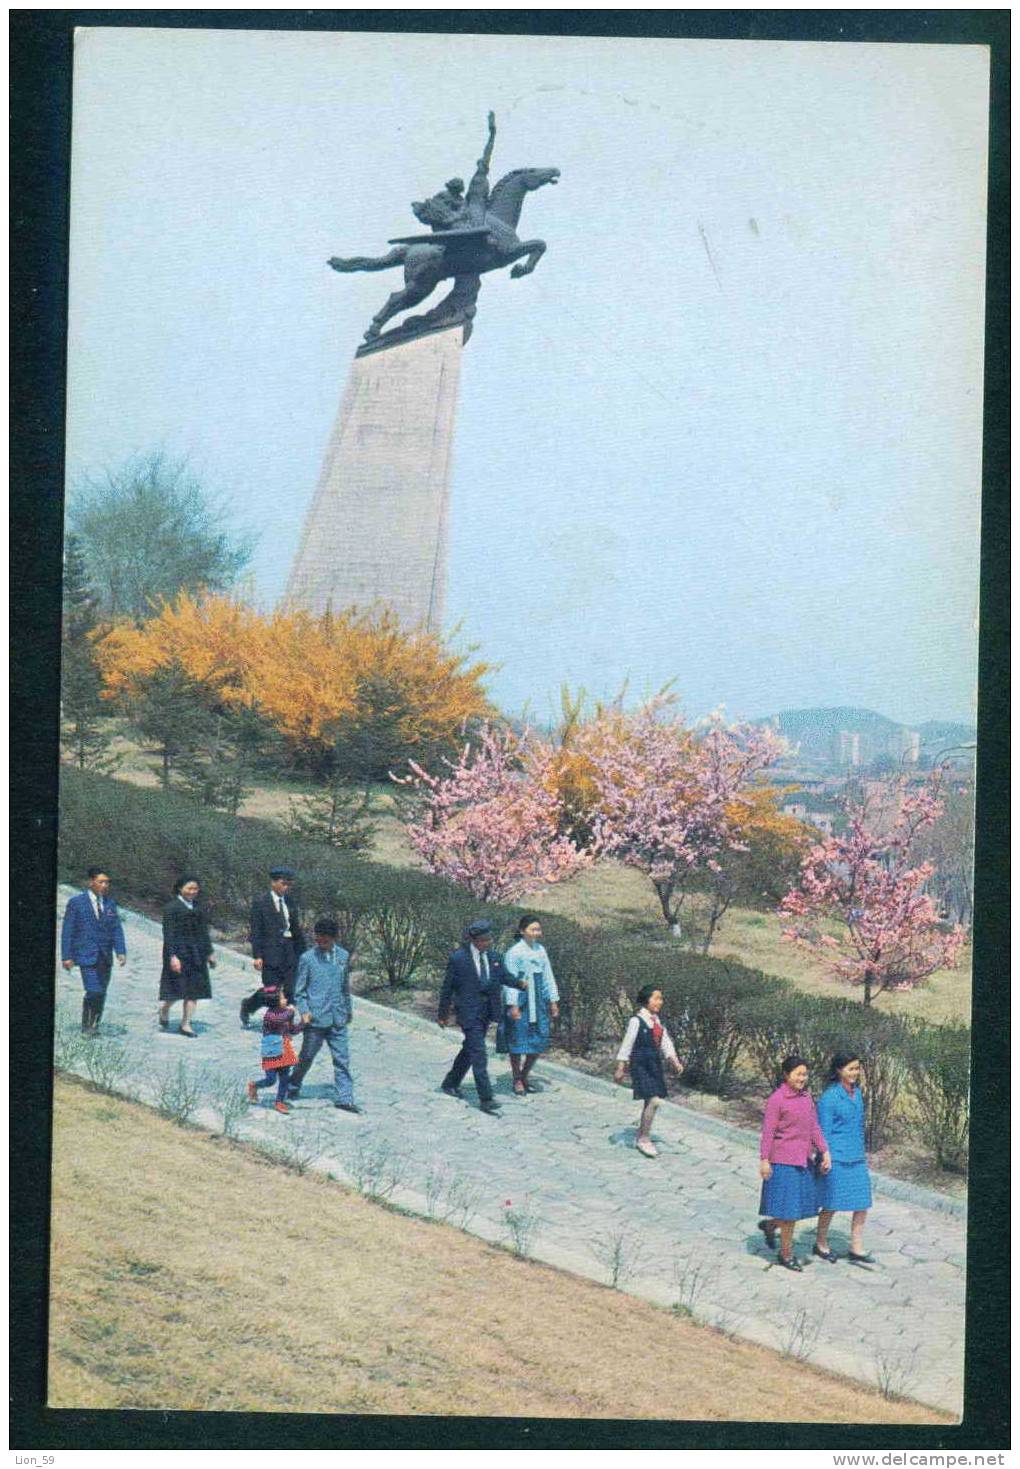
(473, 988)
(276, 940)
(90, 936)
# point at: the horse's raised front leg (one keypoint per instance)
(534, 250)
(369, 262)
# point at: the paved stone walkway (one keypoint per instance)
(681, 1229)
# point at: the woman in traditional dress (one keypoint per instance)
(526, 1014)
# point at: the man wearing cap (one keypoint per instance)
(276, 940)
(471, 988)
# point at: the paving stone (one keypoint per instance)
(567, 1152)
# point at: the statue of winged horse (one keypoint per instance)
(471, 235)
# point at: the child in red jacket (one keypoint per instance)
(279, 1023)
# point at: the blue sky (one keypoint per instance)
(729, 432)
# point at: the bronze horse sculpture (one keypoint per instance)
(471, 235)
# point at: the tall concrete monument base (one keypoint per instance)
(376, 530)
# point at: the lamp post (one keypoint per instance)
(937, 764)
(950, 750)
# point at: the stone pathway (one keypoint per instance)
(679, 1230)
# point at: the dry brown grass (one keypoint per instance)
(189, 1273)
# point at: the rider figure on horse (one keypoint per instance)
(449, 209)
(473, 232)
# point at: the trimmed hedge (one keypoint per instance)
(403, 923)
(938, 1063)
(817, 1028)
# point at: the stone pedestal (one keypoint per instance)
(376, 530)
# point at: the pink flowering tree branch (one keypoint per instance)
(491, 822)
(668, 796)
(890, 933)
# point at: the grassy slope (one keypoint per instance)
(611, 894)
(189, 1273)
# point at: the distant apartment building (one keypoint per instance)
(849, 750)
(846, 748)
(905, 745)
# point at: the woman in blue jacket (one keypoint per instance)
(847, 1186)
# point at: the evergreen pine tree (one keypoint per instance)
(237, 744)
(169, 711)
(340, 814)
(86, 732)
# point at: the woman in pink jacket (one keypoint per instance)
(789, 1136)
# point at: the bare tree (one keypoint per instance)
(949, 847)
(148, 531)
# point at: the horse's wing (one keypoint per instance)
(439, 237)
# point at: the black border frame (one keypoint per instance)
(41, 45)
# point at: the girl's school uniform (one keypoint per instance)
(646, 1042)
(790, 1132)
(841, 1117)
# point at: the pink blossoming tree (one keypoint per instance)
(891, 936)
(668, 797)
(492, 822)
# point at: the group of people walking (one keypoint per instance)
(813, 1162)
(302, 990)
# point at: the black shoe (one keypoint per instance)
(824, 1254)
(244, 1018)
(452, 1091)
(490, 1107)
(790, 1262)
(860, 1259)
(340, 1106)
(294, 1094)
(769, 1231)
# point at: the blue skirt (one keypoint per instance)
(846, 1186)
(789, 1194)
(524, 1039)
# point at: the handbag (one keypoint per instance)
(272, 1047)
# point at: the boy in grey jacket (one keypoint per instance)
(322, 994)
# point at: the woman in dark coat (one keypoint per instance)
(187, 955)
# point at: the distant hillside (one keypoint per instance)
(936, 732)
(800, 724)
(826, 735)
